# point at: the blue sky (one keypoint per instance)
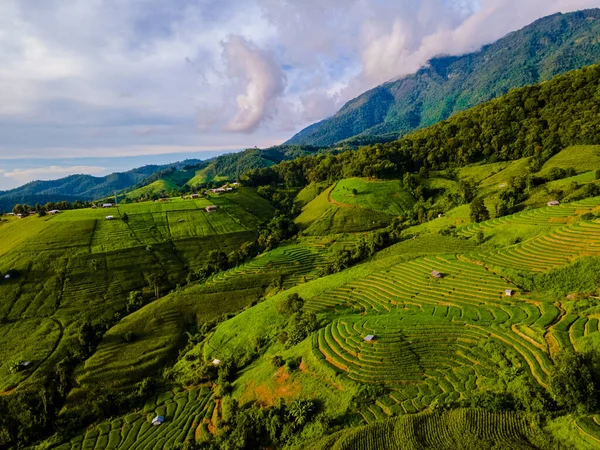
(96, 86)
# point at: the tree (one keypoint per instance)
(87, 336)
(467, 189)
(571, 383)
(480, 237)
(124, 217)
(479, 212)
(293, 303)
(155, 280)
(300, 411)
(136, 301)
(354, 191)
(19, 209)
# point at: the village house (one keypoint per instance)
(211, 208)
(554, 203)
(195, 196)
(158, 420)
(107, 205)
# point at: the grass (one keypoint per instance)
(438, 341)
(463, 428)
(185, 413)
(77, 266)
(322, 216)
(579, 157)
(383, 196)
(309, 193)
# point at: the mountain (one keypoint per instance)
(80, 187)
(345, 292)
(215, 171)
(548, 47)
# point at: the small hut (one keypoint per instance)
(110, 217)
(158, 420)
(509, 292)
(369, 338)
(211, 208)
(436, 274)
(554, 203)
(216, 362)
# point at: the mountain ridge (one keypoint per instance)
(80, 186)
(448, 84)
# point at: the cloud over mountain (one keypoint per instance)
(191, 73)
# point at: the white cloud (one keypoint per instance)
(261, 79)
(113, 77)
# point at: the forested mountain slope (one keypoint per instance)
(419, 294)
(151, 180)
(550, 46)
(78, 187)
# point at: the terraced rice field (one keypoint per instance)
(422, 358)
(555, 249)
(459, 429)
(187, 415)
(589, 429)
(384, 196)
(296, 263)
(550, 216)
(77, 265)
(436, 339)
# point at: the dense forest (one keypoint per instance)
(535, 121)
(548, 47)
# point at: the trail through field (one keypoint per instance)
(335, 202)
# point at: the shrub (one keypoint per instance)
(293, 303)
(571, 383)
(479, 212)
(277, 361)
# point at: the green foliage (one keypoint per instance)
(449, 430)
(452, 84)
(74, 189)
(572, 384)
(536, 122)
(291, 304)
(479, 212)
(388, 197)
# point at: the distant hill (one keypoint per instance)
(548, 47)
(152, 179)
(80, 187)
(215, 171)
